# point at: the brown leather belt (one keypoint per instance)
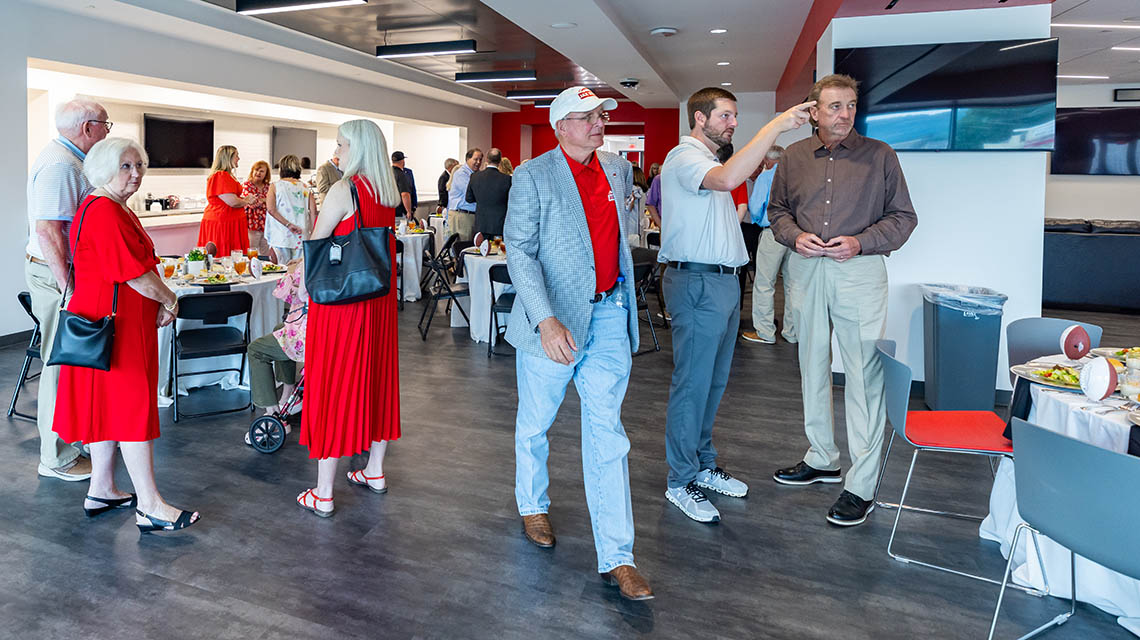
(36, 260)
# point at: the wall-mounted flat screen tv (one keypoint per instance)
(298, 142)
(172, 142)
(1098, 141)
(959, 96)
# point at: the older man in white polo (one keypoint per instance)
(56, 186)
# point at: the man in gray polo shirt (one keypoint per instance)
(704, 249)
(56, 186)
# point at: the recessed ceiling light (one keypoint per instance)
(726, 84)
(564, 25)
(258, 7)
(1126, 48)
(1083, 77)
(718, 31)
(723, 64)
(1095, 26)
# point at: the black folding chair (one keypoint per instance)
(439, 286)
(215, 339)
(503, 304)
(643, 274)
(653, 239)
(32, 352)
(400, 261)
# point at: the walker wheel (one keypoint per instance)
(267, 434)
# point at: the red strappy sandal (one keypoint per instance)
(358, 478)
(303, 502)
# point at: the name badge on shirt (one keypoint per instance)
(611, 196)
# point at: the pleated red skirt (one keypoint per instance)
(352, 367)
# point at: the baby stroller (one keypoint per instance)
(267, 433)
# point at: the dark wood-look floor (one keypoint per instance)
(442, 556)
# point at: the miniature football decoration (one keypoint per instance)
(1098, 379)
(1075, 342)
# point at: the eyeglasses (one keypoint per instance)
(592, 118)
(107, 124)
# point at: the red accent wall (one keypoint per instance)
(801, 63)
(659, 126)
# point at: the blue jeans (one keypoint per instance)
(600, 373)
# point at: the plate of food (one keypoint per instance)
(269, 267)
(214, 278)
(1119, 353)
(1059, 375)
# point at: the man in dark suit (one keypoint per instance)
(490, 188)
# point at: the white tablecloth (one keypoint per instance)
(1119, 595)
(267, 312)
(440, 227)
(413, 263)
(476, 270)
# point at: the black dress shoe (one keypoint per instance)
(802, 474)
(849, 510)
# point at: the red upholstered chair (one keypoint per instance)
(977, 433)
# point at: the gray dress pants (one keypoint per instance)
(706, 318)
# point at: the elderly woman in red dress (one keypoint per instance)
(224, 222)
(117, 410)
(352, 371)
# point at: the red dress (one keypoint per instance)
(222, 224)
(352, 368)
(122, 403)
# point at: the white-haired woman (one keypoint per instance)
(114, 271)
(352, 374)
(224, 222)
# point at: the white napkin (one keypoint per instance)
(484, 247)
(255, 268)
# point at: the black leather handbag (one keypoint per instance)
(352, 267)
(80, 342)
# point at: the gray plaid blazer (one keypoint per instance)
(549, 253)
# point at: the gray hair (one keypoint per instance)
(775, 152)
(72, 115)
(102, 162)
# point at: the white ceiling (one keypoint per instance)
(1089, 51)
(612, 41)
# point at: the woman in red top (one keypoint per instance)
(254, 191)
(352, 373)
(224, 223)
(118, 409)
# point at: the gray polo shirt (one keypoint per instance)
(56, 186)
(697, 225)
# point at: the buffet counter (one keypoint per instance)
(174, 231)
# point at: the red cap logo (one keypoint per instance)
(584, 93)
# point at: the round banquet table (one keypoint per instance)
(439, 223)
(476, 273)
(1066, 413)
(267, 311)
(412, 263)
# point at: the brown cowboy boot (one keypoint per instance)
(538, 530)
(631, 584)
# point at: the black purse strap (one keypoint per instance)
(71, 267)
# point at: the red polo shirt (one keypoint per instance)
(601, 218)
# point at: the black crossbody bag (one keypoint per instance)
(349, 268)
(80, 342)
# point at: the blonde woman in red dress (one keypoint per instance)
(224, 222)
(352, 372)
(117, 410)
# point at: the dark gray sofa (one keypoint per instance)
(1092, 265)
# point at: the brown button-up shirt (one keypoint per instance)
(856, 189)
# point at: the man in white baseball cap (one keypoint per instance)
(575, 319)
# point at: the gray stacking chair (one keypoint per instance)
(1030, 338)
(1064, 492)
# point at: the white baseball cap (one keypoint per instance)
(577, 100)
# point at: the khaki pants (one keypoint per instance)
(54, 453)
(771, 259)
(850, 296)
(461, 222)
(265, 356)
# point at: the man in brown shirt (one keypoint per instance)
(840, 201)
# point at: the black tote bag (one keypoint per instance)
(80, 342)
(349, 268)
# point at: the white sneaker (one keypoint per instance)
(718, 480)
(693, 503)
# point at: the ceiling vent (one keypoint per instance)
(664, 32)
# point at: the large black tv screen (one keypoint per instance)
(1098, 141)
(178, 143)
(959, 96)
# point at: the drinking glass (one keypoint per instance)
(240, 265)
(252, 252)
(168, 268)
